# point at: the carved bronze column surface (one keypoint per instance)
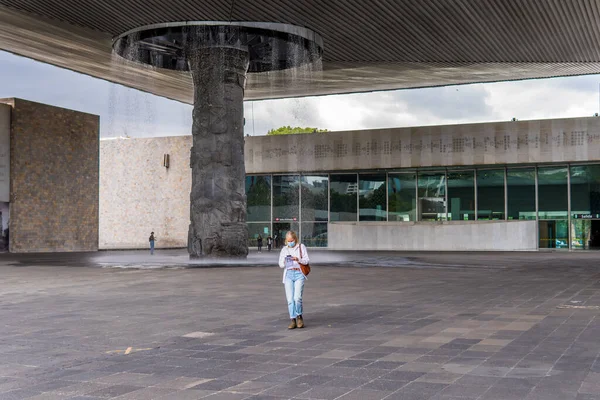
(218, 198)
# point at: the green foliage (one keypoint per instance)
(288, 130)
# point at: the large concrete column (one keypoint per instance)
(218, 199)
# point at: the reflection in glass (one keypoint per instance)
(581, 234)
(432, 196)
(585, 234)
(461, 195)
(490, 194)
(554, 234)
(343, 197)
(585, 191)
(255, 229)
(585, 207)
(279, 231)
(552, 192)
(402, 197)
(314, 234)
(314, 198)
(286, 198)
(258, 193)
(521, 193)
(372, 197)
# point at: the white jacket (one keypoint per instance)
(294, 252)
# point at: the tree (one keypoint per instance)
(288, 130)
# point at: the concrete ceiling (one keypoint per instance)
(369, 45)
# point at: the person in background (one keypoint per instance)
(269, 242)
(259, 242)
(292, 255)
(151, 240)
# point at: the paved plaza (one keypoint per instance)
(379, 326)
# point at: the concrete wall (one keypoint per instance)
(139, 195)
(447, 236)
(575, 139)
(53, 178)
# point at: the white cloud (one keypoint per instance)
(533, 99)
(125, 111)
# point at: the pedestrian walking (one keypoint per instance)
(269, 242)
(151, 240)
(292, 255)
(259, 242)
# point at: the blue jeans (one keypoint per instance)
(294, 287)
(152, 247)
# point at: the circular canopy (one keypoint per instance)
(271, 47)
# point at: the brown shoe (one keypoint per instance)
(300, 321)
(292, 324)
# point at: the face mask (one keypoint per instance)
(291, 244)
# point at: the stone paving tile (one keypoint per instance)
(385, 385)
(114, 391)
(365, 394)
(188, 394)
(145, 394)
(404, 333)
(323, 393)
(227, 396)
(85, 398)
(216, 385)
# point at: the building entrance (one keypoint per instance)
(585, 234)
(554, 234)
(279, 231)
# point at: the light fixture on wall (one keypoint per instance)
(166, 161)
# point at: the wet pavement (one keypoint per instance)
(379, 326)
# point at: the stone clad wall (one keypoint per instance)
(139, 195)
(558, 140)
(5, 116)
(54, 179)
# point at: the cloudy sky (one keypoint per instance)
(127, 112)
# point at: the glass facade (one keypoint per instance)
(343, 192)
(371, 197)
(432, 196)
(461, 195)
(552, 193)
(585, 207)
(314, 234)
(564, 199)
(255, 229)
(314, 198)
(490, 194)
(520, 185)
(286, 198)
(258, 194)
(402, 197)
(553, 205)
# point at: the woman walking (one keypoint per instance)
(292, 255)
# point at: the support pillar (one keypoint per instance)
(218, 199)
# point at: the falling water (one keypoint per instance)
(220, 58)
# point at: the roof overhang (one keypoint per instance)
(368, 47)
